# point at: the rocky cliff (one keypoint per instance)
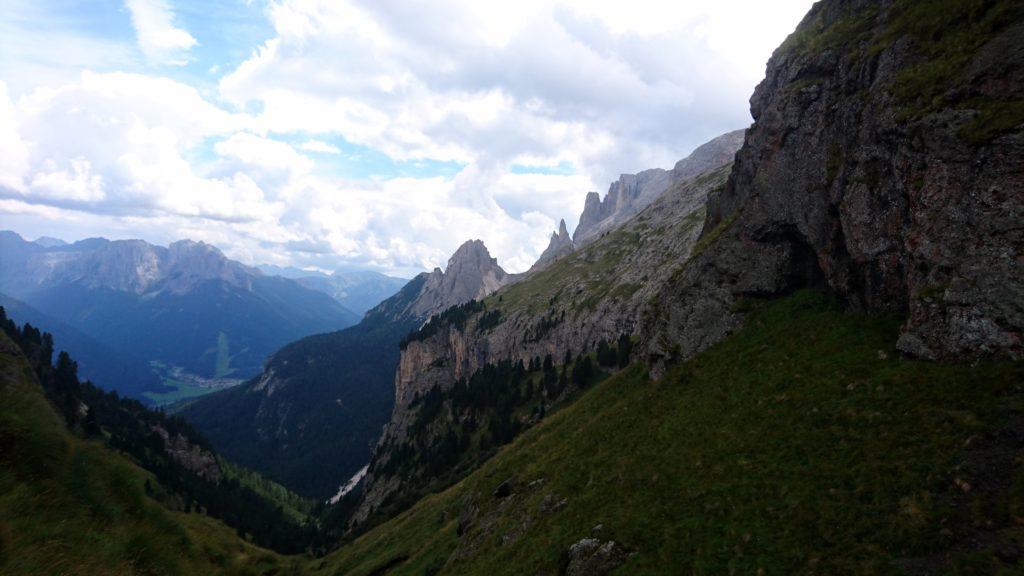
(885, 164)
(471, 273)
(631, 193)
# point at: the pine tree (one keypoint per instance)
(625, 350)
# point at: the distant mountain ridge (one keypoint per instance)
(184, 305)
(357, 290)
(310, 419)
(631, 193)
(122, 265)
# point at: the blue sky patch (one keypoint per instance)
(563, 168)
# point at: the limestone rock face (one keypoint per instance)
(133, 266)
(898, 197)
(471, 274)
(631, 193)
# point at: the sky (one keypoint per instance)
(377, 134)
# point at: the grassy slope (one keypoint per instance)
(802, 444)
(69, 506)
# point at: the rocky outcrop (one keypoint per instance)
(884, 164)
(598, 292)
(471, 274)
(592, 557)
(631, 193)
(560, 245)
(190, 456)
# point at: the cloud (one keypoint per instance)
(13, 152)
(157, 36)
(320, 146)
(506, 114)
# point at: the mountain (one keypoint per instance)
(356, 290)
(50, 242)
(289, 271)
(185, 305)
(632, 193)
(885, 171)
(311, 418)
(807, 362)
(803, 443)
(130, 375)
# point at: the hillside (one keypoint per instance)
(802, 444)
(71, 506)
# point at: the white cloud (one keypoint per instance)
(158, 38)
(320, 146)
(13, 152)
(249, 166)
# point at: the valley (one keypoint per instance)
(799, 350)
(184, 386)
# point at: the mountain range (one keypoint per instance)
(356, 290)
(185, 305)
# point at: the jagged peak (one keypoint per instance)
(563, 231)
(472, 251)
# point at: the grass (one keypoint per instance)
(948, 34)
(803, 444)
(70, 506)
(994, 118)
(223, 365)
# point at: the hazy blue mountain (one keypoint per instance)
(357, 290)
(113, 369)
(50, 242)
(184, 305)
